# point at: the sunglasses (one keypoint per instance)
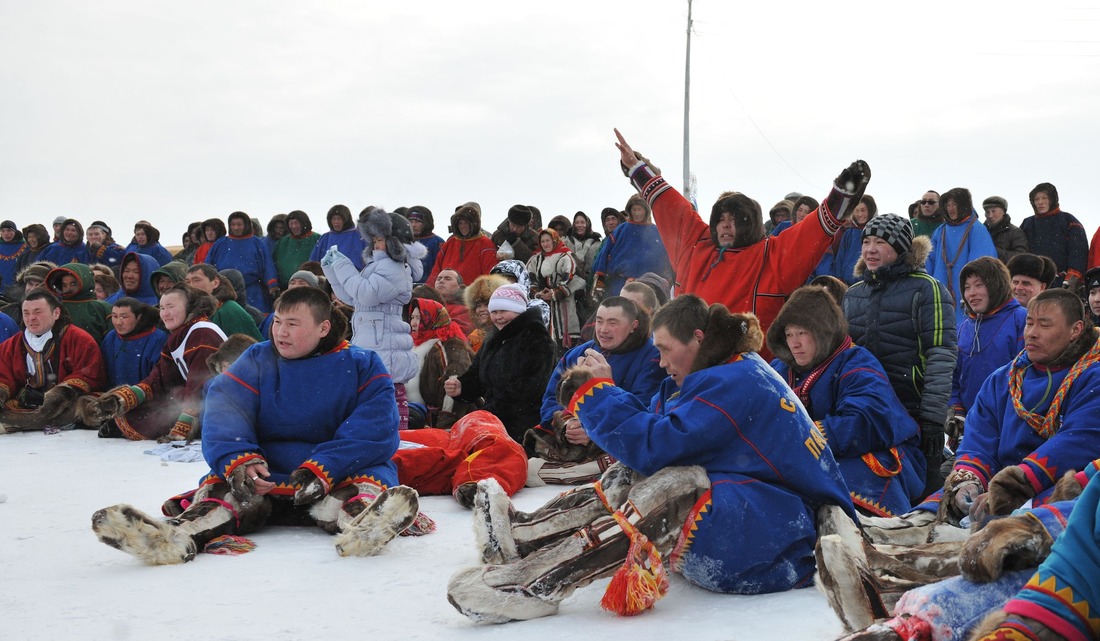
(929, 202)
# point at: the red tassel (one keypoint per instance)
(229, 544)
(640, 582)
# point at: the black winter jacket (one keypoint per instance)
(511, 370)
(1009, 239)
(906, 318)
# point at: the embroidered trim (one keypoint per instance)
(1047, 425)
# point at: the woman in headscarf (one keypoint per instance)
(442, 351)
(554, 281)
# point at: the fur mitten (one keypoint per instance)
(959, 490)
(1011, 543)
(57, 400)
(1067, 488)
(310, 488)
(553, 446)
(241, 483)
(1008, 490)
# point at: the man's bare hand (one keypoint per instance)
(626, 154)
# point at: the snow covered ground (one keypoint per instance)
(59, 582)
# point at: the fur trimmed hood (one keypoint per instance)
(964, 203)
(152, 234)
(748, 221)
(217, 225)
(814, 308)
(303, 219)
(342, 212)
(913, 259)
(424, 215)
(725, 336)
(374, 222)
(998, 282)
(638, 200)
(470, 212)
(1051, 192)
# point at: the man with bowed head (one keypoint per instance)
(729, 260)
(281, 452)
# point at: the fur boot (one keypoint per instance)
(505, 535)
(843, 574)
(153, 541)
(915, 528)
(394, 510)
(534, 586)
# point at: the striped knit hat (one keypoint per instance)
(894, 229)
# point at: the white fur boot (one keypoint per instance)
(370, 531)
(155, 542)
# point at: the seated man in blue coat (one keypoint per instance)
(560, 450)
(284, 452)
(721, 477)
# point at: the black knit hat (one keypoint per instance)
(894, 229)
(1040, 268)
(101, 225)
(9, 224)
(520, 215)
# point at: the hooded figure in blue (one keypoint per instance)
(423, 227)
(841, 258)
(991, 335)
(246, 253)
(343, 235)
(634, 248)
(286, 452)
(961, 239)
(749, 469)
(135, 279)
(70, 248)
(11, 248)
(847, 393)
(147, 241)
(133, 347)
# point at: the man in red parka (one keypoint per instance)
(731, 261)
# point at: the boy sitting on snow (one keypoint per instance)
(302, 426)
(734, 476)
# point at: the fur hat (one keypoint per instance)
(995, 201)
(560, 224)
(481, 290)
(374, 222)
(519, 215)
(725, 336)
(658, 284)
(814, 308)
(997, 281)
(249, 229)
(1051, 192)
(152, 234)
(1041, 268)
(809, 201)
(894, 229)
(36, 271)
(748, 221)
(833, 285)
(611, 211)
(509, 298)
(1092, 278)
(308, 277)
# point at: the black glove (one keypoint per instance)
(1011, 543)
(309, 487)
(854, 178)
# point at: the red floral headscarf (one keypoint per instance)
(559, 246)
(435, 322)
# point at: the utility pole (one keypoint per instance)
(687, 105)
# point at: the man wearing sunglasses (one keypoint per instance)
(929, 215)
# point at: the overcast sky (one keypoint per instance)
(182, 111)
